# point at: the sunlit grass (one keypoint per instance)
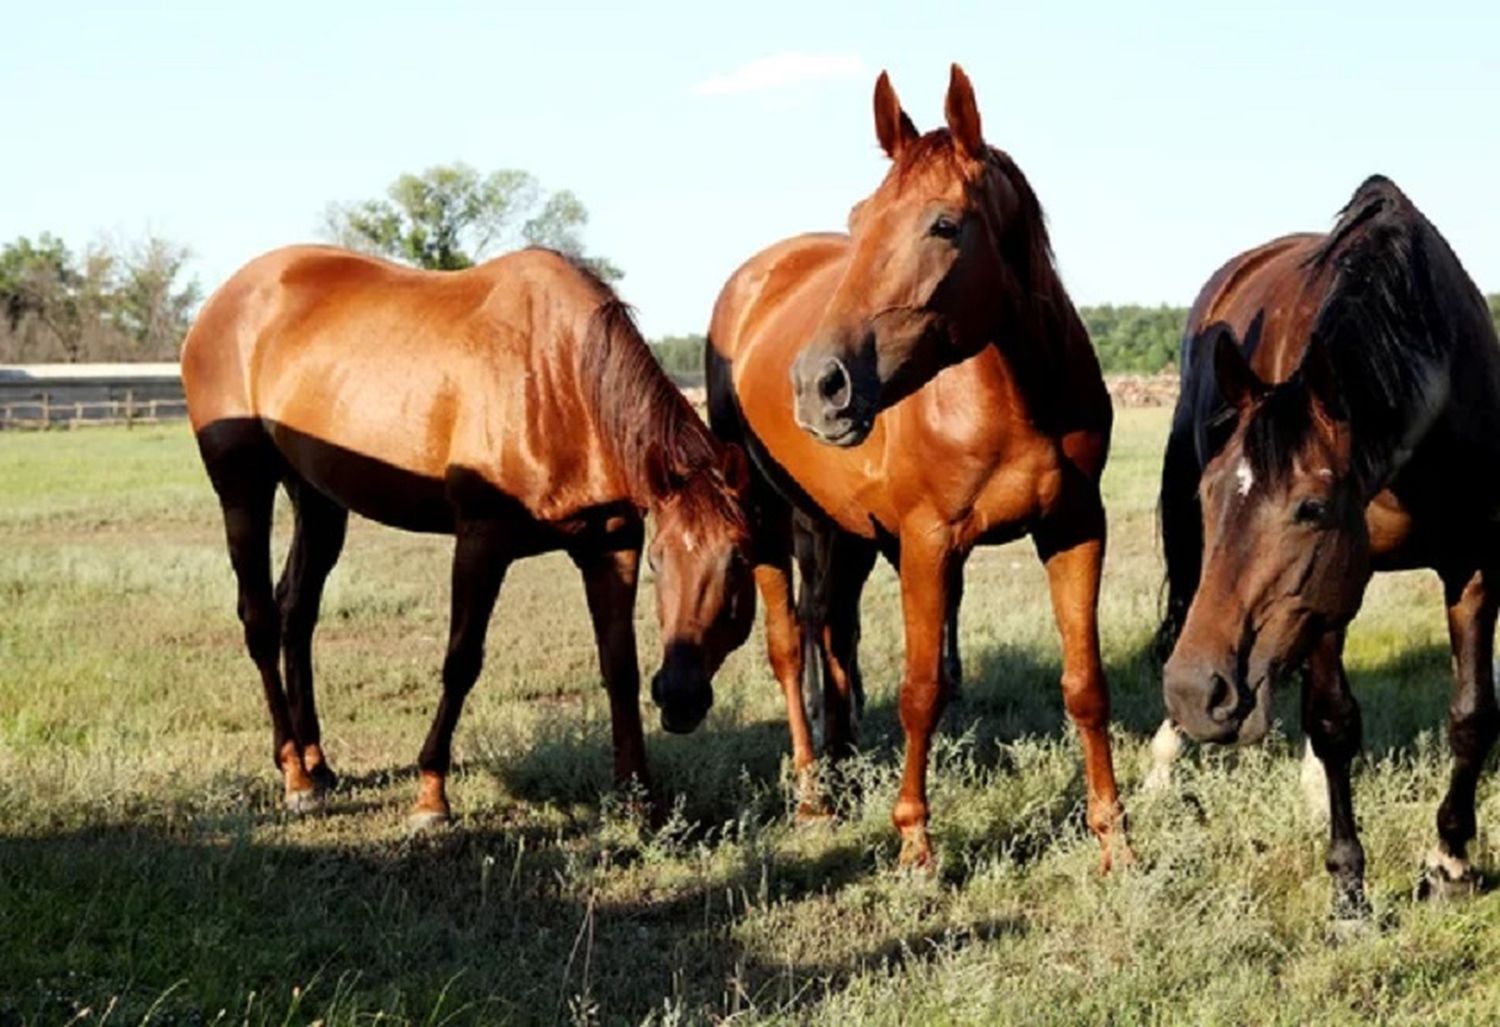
(144, 861)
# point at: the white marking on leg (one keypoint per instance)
(1314, 781)
(1245, 476)
(1166, 744)
(1449, 865)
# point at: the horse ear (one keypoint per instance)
(1237, 381)
(736, 469)
(1322, 380)
(892, 127)
(963, 114)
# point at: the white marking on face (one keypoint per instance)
(1325, 472)
(689, 542)
(1245, 476)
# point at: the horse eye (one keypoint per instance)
(1311, 511)
(944, 227)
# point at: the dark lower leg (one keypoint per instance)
(953, 667)
(845, 572)
(479, 562)
(1330, 717)
(1473, 719)
(316, 544)
(609, 581)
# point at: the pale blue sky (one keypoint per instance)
(1162, 138)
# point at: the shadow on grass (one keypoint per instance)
(491, 924)
(507, 921)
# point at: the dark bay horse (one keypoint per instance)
(1339, 414)
(918, 387)
(513, 405)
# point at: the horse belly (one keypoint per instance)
(370, 487)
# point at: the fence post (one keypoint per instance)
(152, 411)
(46, 410)
(129, 409)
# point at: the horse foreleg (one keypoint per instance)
(1072, 549)
(609, 582)
(1330, 716)
(926, 552)
(479, 563)
(1473, 721)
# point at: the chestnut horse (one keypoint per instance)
(513, 405)
(1340, 413)
(916, 388)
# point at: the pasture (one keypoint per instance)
(147, 872)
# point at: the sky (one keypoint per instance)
(1162, 138)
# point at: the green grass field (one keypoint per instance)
(147, 873)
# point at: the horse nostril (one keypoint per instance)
(833, 384)
(1222, 702)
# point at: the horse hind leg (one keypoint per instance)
(317, 541)
(245, 470)
(1473, 722)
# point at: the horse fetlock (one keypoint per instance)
(1446, 877)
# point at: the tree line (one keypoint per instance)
(116, 301)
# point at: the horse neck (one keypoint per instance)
(640, 414)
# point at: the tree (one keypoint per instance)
(450, 216)
(104, 305)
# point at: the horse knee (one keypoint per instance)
(922, 703)
(1472, 733)
(1087, 699)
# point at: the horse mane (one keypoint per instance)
(643, 417)
(1384, 328)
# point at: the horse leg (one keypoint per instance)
(1473, 722)
(773, 578)
(1330, 717)
(925, 555)
(609, 582)
(480, 559)
(245, 469)
(317, 540)
(953, 665)
(846, 566)
(1071, 546)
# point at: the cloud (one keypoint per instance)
(782, 71)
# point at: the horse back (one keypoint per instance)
(355, 366)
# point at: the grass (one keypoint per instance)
(147, 874)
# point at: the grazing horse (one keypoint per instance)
(512, 405)
(915, 388)
(1339, 414)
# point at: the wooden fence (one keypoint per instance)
(77, 395)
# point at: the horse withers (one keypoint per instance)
(513, 405)
(1339, 415)
(915, 388)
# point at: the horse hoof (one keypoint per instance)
(1344, 930)
(424, 821)
(323, 778)
(916, 853)
(813, 814)
(303, 801)
(1445, 879)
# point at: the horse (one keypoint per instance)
(915, 388)
(513, 405)
(1339, 415)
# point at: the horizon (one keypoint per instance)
(694, 142)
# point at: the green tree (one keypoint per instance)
(450, 216)
(104, 305)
